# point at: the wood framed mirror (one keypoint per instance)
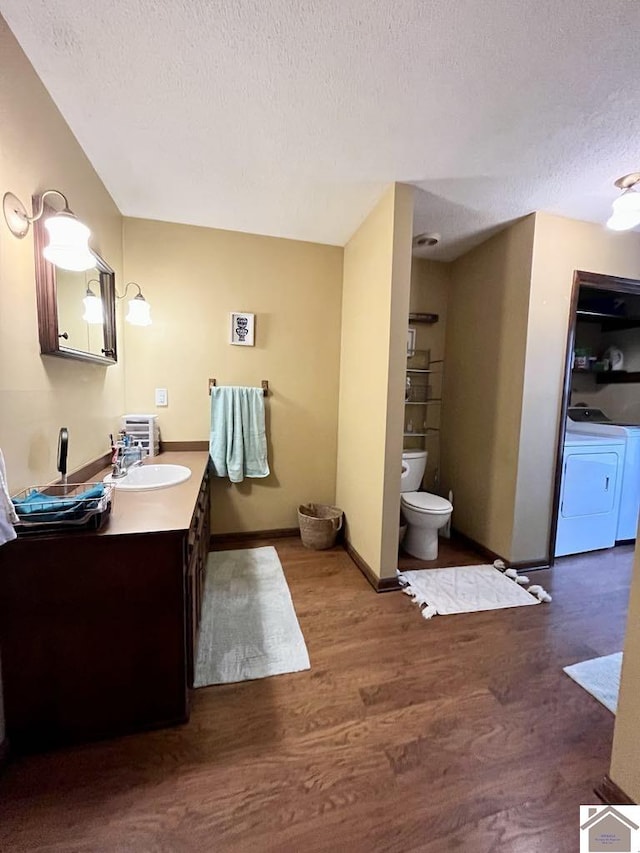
(61, 328)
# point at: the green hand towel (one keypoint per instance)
(238, 443)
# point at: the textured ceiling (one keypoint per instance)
(288, 117)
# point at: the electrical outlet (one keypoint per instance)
(162, 398)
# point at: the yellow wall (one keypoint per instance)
(560, 247)
(193, 278)
(504, 367)
(375, 305)
(482, 395)
(625, 759)
(39, 394)
(430, 286)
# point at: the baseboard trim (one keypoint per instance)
(243, 536)
(476, 546)
(611, 794)
(388, 585)
(379, 584)
(182, 446)
(4, 753)
(488, 554)
(529, 565)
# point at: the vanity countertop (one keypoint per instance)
(157, 510)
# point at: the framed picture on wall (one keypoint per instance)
(411, 342)
(242, 329)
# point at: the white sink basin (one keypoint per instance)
(145, 477)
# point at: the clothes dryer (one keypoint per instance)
(595, 422)
(590, 493)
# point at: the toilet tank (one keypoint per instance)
(414, 463)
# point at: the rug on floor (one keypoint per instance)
(249, 628)
(466, 589)
(600, 677)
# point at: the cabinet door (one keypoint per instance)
(92, 636)
(192, 621)
(589, 484)
(196, 555)
(205, 536)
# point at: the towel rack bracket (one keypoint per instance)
(264, 385)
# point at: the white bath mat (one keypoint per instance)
(464, 589)
(249, 628)
(600, 677)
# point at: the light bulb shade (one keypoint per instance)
(139, 313)
(627, 202)
(93, 313)
(623, 220)
(68, 246)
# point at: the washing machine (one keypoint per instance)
(590, 493)
(595, 422)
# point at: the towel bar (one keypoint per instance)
(264, 384)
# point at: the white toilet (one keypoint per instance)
(425, 513)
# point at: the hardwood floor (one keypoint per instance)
(451, 552)
(461, 733)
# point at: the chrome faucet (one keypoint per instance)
(125, 458)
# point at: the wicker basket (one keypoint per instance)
(319, 525)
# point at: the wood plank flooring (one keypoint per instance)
(461, 733)
(451, 552)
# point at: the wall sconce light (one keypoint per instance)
(93, 313)
(626, 208)
(139, 313)
(68, 237)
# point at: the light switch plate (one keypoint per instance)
(162, 398)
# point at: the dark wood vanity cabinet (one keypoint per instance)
(197, 544)
(98, 632)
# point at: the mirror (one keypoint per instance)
(60, 294)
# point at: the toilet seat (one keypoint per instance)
(426, 502)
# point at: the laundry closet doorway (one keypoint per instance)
(599, 429)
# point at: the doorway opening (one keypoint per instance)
(597, 477)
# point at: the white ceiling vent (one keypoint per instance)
(425, 241)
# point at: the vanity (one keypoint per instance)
(98, 630)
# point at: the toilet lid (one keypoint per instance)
(426, 501)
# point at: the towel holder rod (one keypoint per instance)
(264, 384)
